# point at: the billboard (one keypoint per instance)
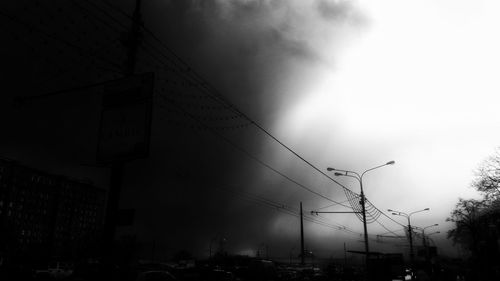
(125, 124)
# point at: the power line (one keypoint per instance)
(374, 212)
(232, 107)
(125, 27)
(284, 208)
(389, 231)
(258, 160)
(54, 37)
(107, 14)
(331, 205)
(212, 90)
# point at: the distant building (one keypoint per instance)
(46, 215)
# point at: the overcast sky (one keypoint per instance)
(351, 84)
(354, 84)
(345, 84)
(416, 85)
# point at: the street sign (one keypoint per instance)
(125, 126)
(125, 217)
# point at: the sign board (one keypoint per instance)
(125, 126)
(125, 217)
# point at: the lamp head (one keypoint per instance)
(338, 174)
(330, 169)
(392, 162)
(389, 210)
(426, 209)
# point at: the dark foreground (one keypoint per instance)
(237, 268)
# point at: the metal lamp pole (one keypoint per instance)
(399, 213)
(359, 178)
(424, 242)
(428, 238)
(423, 232)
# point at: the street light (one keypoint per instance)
(423, 232)
(359, 178)
(424, 242)
(399, 213)
(436, 232)
(430, 239)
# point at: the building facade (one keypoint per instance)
(45, 215)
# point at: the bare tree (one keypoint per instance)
(487, 179)
(467, 224)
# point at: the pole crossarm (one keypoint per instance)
(424, 228)
(390, 236)
(316, 212)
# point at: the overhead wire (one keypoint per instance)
(373, 211)
(350, 194)
(261, 162)
(287, 209)
(52, 36)
(108, 14)
(330, 205)
(200, 82)
(388, 230)
(212, 91)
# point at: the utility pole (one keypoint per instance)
(424, 241)
(359, 178)
(345, 256)
(116, 170)
(363, 208)
(424, 244)
(301, 236)
(133, 40)
(410, 237)
(341, 212)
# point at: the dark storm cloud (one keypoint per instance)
(338, 11)
(246, 49)
(249, 48)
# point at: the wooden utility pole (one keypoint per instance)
(302, 251)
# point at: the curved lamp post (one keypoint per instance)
(399, 213)
(359, 178)
(424, 240)
(430, 239)
(423, 232)
(435, 232)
